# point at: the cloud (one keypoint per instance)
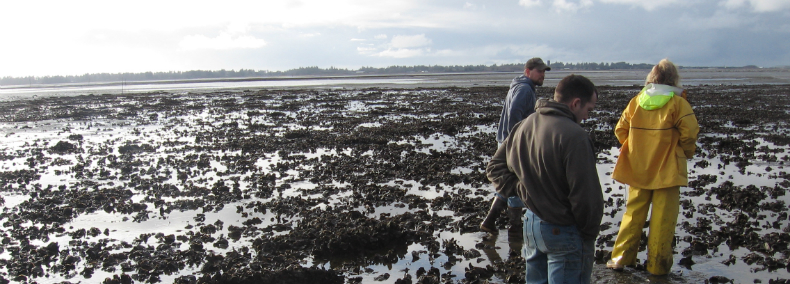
(648, 5)
(721, 19)
(402, 52)
(522, 51)
(473, 6)
(305, 35)
(401, 46)
(419, 40)
(450, 53)
(493, 53)
(564, 5)
(558, 5)
(529, 3)
(238, 28)
(366, 50)
(276, 34)
(758, 5)
(223, 41)
(234, 37)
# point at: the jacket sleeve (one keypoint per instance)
(688, 128)
(522, 106)
(505, 181)
(624, 124)
(584, 193)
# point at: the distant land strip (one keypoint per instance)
(249, 74)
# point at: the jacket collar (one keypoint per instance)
(552, 107)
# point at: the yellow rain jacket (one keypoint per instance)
(658, 131)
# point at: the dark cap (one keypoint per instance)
(536, 62)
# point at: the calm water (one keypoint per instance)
(612, 78)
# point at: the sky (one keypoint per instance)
(47, 38)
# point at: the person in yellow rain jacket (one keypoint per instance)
(658, 132)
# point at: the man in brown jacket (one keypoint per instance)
(548, 159)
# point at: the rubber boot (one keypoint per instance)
(514, 215)
(489, 223)
(664, 217)
(626, 246)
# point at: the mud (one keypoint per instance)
(348, 186)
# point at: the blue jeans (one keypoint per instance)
(512, 201)
(555, 253)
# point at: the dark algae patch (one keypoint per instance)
(348, 186)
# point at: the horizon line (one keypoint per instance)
(332, 68)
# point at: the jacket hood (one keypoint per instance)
(552, 107)
(523, 80)
(655, 96)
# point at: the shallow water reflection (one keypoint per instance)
(220, 172)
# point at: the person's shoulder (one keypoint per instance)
(634, 102)
(680, 103)
(522, 80)
(522, 90)
(679, 99)
(560, 123)
(577, 130)
(568, 127)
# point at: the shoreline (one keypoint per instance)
(609, 78)
(688, 73)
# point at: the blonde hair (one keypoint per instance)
(665, 73)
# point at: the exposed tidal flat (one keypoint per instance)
(691, 77)
(353, 183)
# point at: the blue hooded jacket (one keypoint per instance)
(519, 103)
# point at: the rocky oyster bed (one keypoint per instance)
(347, 186)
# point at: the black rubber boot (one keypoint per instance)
(514, 215)
(489, 224)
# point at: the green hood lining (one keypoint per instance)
(655, 96)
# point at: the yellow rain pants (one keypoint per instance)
(664, 217)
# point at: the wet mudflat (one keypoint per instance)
(348, 186)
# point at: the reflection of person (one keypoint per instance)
(549, 159)
(519, 103)
(491, 247)
(658, 131)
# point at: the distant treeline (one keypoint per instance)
(305, 71)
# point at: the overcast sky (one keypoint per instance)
(76, 37)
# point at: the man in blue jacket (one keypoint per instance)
(519, 103)
(520, 100)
